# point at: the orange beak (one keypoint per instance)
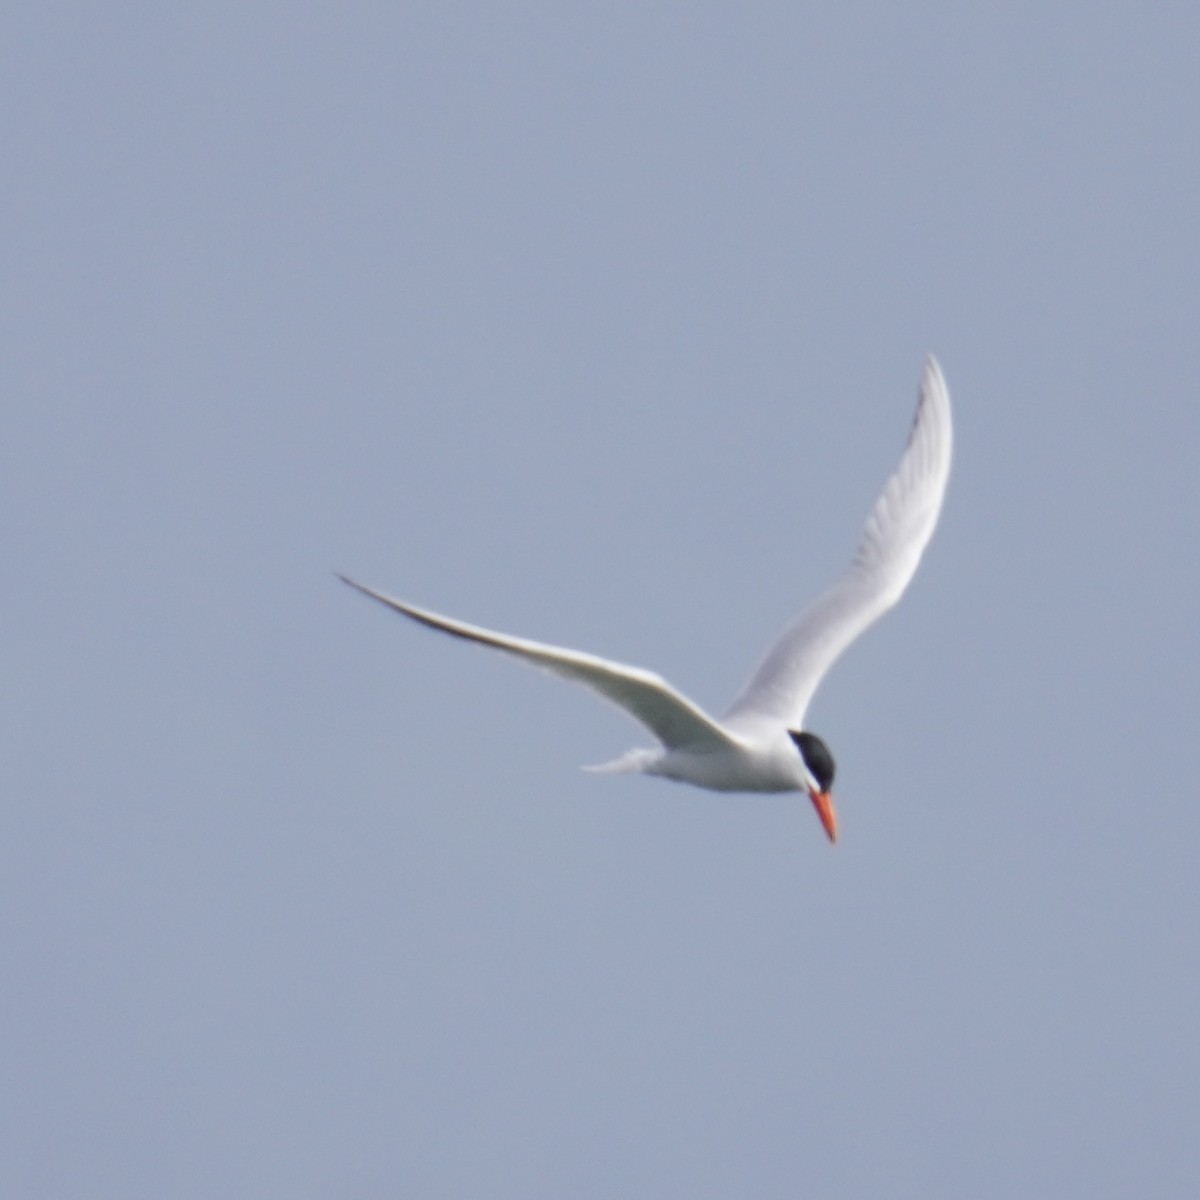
(823, 803)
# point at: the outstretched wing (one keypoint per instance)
(897, 532)
(646, 697)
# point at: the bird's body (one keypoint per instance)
(760, 760)
(759, 745)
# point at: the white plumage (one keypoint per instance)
(757, 746)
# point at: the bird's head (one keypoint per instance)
(819, 769)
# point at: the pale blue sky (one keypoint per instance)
(600, 324)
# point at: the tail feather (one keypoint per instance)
(630, 763)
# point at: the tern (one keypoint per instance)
(760, 745)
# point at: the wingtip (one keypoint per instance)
(932, 372)
(361, 587)
(933, 390)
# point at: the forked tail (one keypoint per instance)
(631, 763)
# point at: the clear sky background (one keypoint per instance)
(600, 324)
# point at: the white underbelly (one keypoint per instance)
(749, 770)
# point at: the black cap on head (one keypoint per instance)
(816, 757)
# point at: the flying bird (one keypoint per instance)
(760, 744)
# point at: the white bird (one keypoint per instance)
(759, 744)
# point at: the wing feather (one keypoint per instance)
(645, 696)
(896, 534)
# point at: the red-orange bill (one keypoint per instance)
(823, 803)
